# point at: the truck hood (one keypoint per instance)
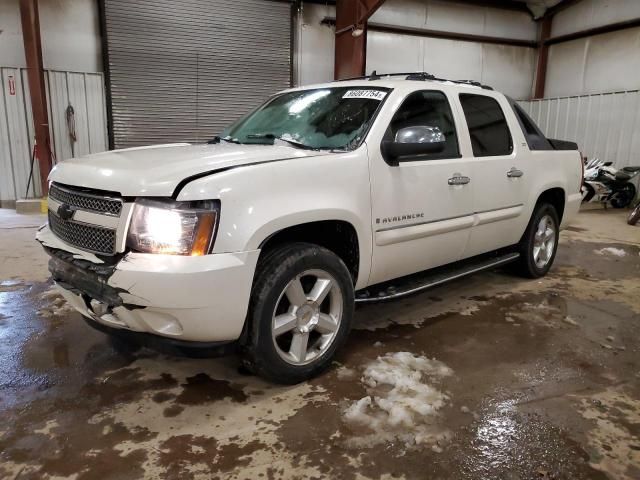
(156, 171)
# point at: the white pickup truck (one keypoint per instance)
(264, 239)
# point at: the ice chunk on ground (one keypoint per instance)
(618, 252)
(58, 307)
(52, 294)
(402, 402)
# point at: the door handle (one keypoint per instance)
(458, 179)
(514, 173)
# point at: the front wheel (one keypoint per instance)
(539, 243)
(634, 216)
(300, 312)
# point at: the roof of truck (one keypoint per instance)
(396, 80)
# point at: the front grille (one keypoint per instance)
(86, 237)
(86, 201)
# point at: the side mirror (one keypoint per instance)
(412, 141)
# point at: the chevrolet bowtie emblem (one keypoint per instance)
(65, 211)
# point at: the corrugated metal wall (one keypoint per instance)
(84, 91)
(183, 71)
(605, 125)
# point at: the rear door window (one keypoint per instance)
(490, 135)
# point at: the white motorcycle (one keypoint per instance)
(605, 184)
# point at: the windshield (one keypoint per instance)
(326, 118)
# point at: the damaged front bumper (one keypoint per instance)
(192, 299)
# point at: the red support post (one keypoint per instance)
(543, 55)
(351, 36)
(35, 74)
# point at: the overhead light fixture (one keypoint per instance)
(357, 30)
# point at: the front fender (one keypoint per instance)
(258, 201)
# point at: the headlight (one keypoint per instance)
(176, 228)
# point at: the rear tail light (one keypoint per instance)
(582, 160)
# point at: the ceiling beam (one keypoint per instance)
(502, 4)
(465, 37)
(612, 27)
(423, 32)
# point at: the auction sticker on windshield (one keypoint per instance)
(371, 94)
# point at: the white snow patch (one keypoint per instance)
(618, 252)
(400, 405)
(570, 321)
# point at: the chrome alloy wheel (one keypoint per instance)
(307, 317)
(544, 242)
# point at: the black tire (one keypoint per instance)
(526, 265)
(634, 215)
(274, 272)
(625, 196)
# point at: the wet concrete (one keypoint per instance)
(545, 383)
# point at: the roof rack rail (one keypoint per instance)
(474, 83)
(420, 76)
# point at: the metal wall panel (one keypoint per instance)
(451, 16)
(17, 134)
(506, 68)
(182, 71)
(601, 63)
(7, 187)
(593, 13)
(84, 91)
(605, 125)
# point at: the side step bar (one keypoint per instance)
(429, 279)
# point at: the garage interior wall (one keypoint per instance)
(603, 63)
(509, 69)
(506, 68)
(183, 71)
(592, 83)
(72, 57)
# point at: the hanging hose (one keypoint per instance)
(71, 128)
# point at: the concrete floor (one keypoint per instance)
(543, 382)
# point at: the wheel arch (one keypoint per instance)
(556, 196)
(338, 236)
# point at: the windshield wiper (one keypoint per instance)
(227, 139)
(271, 136)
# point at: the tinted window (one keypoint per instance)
(488, 128)
(535, 138)
(524, 119)
(429, 109)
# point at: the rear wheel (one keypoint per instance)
(624, 196)
(300, 312)
(539, 243)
